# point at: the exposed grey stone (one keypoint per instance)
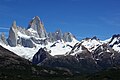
(3, 39)
(27, 43)
(51, 37)
(55, 36)
(58, 35)
(12, 39)
(38, 26)
(68, 37)
(40, 56)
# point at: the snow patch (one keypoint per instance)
(116, 48)
(23, 35)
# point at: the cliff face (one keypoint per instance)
(35, 34)
(37, 25)
(12, 39)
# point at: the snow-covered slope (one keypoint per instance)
(91, 44)
(61, 47)
(87, 44)
(25, 52)
(116, 47)
(26, 42)
(56, 48)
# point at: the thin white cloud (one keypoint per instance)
(1, 28)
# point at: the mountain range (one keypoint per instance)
(61, 50)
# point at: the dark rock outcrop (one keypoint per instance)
(40, 56)
(8, 58)
(14, 67)
(71, 63)
(80, 59)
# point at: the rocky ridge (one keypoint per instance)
(62, 50)
(34, 34)
(89, 55)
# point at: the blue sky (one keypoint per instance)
(83, 18)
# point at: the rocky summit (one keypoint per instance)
(88, 56)
(61, 50)
(12, 39)
(34, 34)
(37, 25)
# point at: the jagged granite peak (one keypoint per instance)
(34, 34)
(84, 55)
(24, 37)
(37, 25)
(34, 23)
(3, 39)
(51, 37)
(58, 34)
(68, 37)
(12, 39)
(14, 25)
